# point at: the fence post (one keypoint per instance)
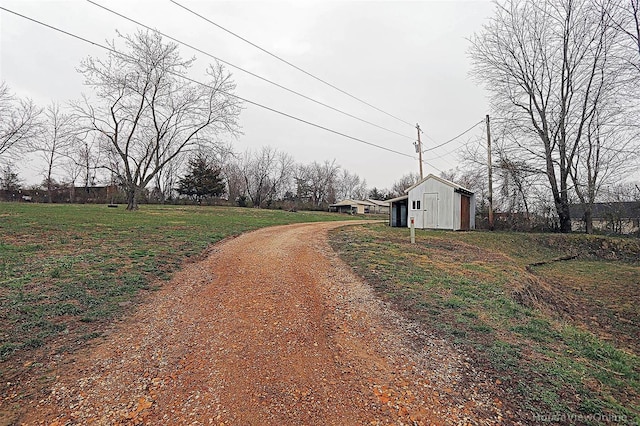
(413, 231)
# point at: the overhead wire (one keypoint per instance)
(601, 147)
(453, 150)
(441, 156)
(245, 70)
(287, 62)
(454, 138)
(54, 28)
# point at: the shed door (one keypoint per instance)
(465, 213)
(430, 207)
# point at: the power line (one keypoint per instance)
(570, 123)
(206, 85)
(245, 70)
(288, 63)
(454, 138)
(429, 164)
(428, 137)
(479, 141)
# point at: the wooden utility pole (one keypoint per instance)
(419, 149)
(491, 224)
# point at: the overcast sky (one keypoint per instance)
(406, 58)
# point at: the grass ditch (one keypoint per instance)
(559, 340)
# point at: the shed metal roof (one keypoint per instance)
(379, 202)
(352, 203)
(400, 198)
(441, 180)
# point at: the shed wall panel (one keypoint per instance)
(456, 211)
(448, 206)
(445, 205)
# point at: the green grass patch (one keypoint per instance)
(559, 338)
(64, 268)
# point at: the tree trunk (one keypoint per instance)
(132, 198)
(49, 194)
(564, 216)
(588, 220)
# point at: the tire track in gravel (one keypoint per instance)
(270, 329)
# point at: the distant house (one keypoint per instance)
(434, 203)
(617, 217)
(379, 207)
(356, 207)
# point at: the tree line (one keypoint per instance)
(264, 178)
(563, 78)
(564, 83)
(155, 133)
(268, 178)
(143, 114)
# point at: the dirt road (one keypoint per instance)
(270, 329)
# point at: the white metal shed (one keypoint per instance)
(436, 203)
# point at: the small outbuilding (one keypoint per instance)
(434, 203)
(379, 207)
(619, 217)
(353, 207)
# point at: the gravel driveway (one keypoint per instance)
(270, 329)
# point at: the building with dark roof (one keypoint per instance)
(616, 217)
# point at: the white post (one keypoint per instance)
(413, 231)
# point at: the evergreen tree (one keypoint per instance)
(9, 179)
(377, 194)
(202, 180)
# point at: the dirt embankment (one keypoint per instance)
(271, 328)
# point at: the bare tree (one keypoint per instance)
(630, 25)
(349, 186)
(547, 66)
(267, 175)
(625, 17)
(224, 159)
(89, 156)
(83, 161)
(398, 187)
(473, 177)
(234, 178)
(513, 186)
(360, 192)
(633, 28)
(317, 182)
(167, 178)
(148, 113)
(603, 159)
(622, 192)
(283, 182)
(55, 142)
(19, 122)
(72, 171)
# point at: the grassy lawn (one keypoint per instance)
(558, 339)
(67, 270)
